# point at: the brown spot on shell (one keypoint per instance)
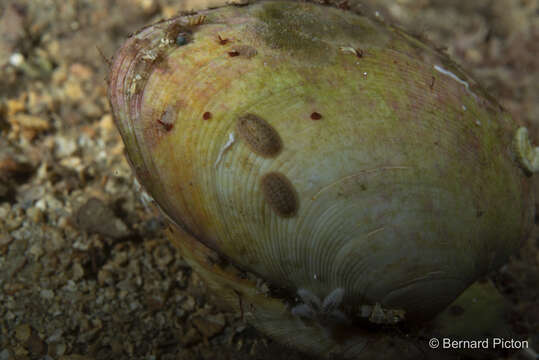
(158, 123)
(244, 51)
(166, 126)
(222, 41)
(316, 116)
(259, 135)
(206, 115)
(280, 194)
(167, 118)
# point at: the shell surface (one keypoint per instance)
(325, 152)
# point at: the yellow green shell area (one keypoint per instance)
(322, 150)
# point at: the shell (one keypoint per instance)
(332, 156)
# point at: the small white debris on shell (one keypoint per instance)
(165, 42)
(231, 140)
(349, 49)
(457, 79)
(378, 315)
(144, 197)
(262, 287)
(133, 87)
(148, 55)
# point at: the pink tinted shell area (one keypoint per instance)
(127, 76)
(128, 73)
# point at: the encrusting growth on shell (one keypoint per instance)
(326, 311)
(378, 315)
(527, 155)
(168, 117)
(259, 135)
(280, 194)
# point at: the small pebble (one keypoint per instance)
(6, 355)
(211, 325)
(35, 214)
(23, 332)
(78, 271)
(95, 217)
(36, 251)
(16, 59)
